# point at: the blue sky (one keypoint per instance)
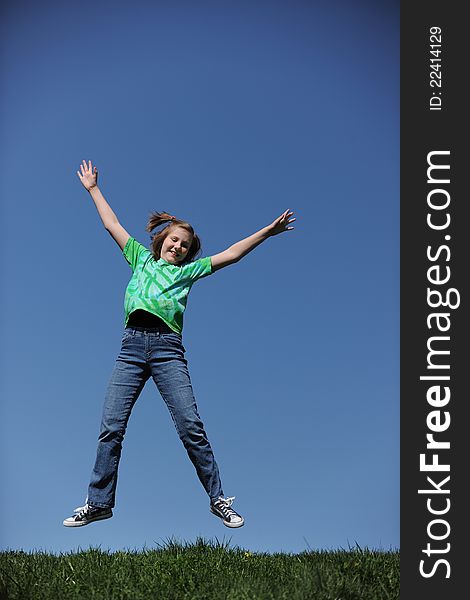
(224, 114)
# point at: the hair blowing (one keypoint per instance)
(156, 219)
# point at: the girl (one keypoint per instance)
(155, 301)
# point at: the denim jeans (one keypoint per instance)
(149, 352)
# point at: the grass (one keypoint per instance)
(204, 570)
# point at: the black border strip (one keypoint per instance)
(423, 411)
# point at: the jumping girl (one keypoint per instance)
(155, 301)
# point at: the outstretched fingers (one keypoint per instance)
(286, 220)
(87, 169)
(282, 223)
(88, 174)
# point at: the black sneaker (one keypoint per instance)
(87, 514)
(221, 508)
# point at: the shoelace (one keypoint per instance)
(224, 504)
(81, 510)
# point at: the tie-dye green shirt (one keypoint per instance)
(158, 286)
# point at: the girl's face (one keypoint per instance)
(176, 245)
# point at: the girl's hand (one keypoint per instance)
(88, 175)
(281, 223)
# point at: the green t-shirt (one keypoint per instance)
(158, 286)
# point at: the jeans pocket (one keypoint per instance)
(175, 340)
(126, 336)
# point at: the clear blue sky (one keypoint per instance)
(224, 114)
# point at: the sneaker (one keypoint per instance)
(87, 514)
(221, 508)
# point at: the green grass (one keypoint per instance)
(204, 570)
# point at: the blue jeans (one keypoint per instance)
(149, 352)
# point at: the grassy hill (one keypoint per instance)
(204, 570)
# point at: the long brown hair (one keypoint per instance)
(156, 219)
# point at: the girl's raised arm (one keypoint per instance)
(241, 248)
(89, 177)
